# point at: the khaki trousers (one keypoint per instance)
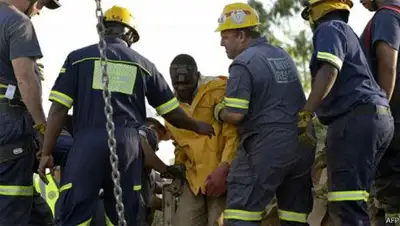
(198, 210)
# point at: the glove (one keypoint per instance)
(216, 183)
(41, 128)
(217, 109)
(40, 71)
(174, 172)
(178, 173)
(304, 125)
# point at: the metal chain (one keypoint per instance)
(108, 110)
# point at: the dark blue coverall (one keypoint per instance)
(132, 78)
(264, 86)
(360, 125)
(385, 27)
(17, 40)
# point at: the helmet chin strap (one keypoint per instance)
(374, 5)
(29, 9)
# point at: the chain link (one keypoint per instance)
(108, 110)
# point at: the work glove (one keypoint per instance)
(174, 172)
(304, 126)
(177, 184)
(217, 109)
(216, 184)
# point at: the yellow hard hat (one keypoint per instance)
(315, 9)
(123, 16)
(237, 15)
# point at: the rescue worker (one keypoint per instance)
(206, 161)
(263, 96)
(150, 135)
(20, 106)
(132, 78)
(347, 99)
(381, 43)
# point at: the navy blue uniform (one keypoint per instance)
(385, 27)
(359, 122)
(264, 86)
(17, 40)
(132, 78)
(147, 182)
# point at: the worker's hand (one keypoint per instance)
(46, 162)
(304, 125)
(174, 172)
(216, 183)
(204, 128)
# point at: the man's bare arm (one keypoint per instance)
(387, 62)
(28, 85)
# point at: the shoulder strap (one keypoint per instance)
(368, 33)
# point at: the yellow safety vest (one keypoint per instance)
(48, 192)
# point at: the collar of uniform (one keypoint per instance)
(258, 41)
(115, 40)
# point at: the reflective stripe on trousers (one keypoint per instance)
(14, 190)
(338, 196)
(244, 215)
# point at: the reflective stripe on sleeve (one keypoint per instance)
(168, 106)
(324, 56)
(236, 103)
(61, 98)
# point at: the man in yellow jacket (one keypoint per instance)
(206, 160)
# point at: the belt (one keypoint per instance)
(7, 105)
(368, 109)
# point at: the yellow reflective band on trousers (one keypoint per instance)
(168, 106)
(86, 223)
(391, 215)
(61, 98)
(337, 196)
(14, 190)
(336, 61)
(236, 103)
(292, 216)
(243, 215)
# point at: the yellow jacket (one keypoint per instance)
(201, 155)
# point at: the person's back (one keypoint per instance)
(381, 43)
(263, 96)
(277, 94)
(125, 64)
(347, 99)
(357, 85)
